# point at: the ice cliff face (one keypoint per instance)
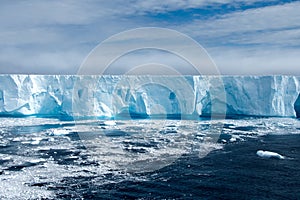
(111, 96)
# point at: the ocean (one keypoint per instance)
(44, 158)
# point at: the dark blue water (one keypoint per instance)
(235, 172)
(48, 159)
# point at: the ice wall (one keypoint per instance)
(110, 96)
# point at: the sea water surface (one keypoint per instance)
(44, 158)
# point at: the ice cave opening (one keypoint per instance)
(297, 106)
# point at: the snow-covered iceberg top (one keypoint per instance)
(108, 96)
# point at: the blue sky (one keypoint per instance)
(242, 37)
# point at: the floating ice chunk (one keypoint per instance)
(109, 123)
(35, 161)
(18, 139)
(6, 158)
(269, 154)
(59, 132)
(235, 138)
(224, 141)
(36, 141)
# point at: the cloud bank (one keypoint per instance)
(242, 37)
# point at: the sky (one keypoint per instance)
(243, 37)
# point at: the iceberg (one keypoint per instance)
(108, 96)
(269, 154)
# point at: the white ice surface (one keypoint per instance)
(108, 96)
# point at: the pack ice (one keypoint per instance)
(107, 96)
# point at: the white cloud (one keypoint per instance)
(257, 61)
(34, 62)
(55, 36)
(256, 41)
(141, 57)
(172, 5)
(32, 13)
(279, 38)
(271, 18)
(29, 36)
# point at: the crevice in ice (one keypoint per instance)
(80, 93)
(297, 106)
(137, 107)
(215, 107)
(1, 101)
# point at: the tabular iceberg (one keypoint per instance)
(108, 96)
